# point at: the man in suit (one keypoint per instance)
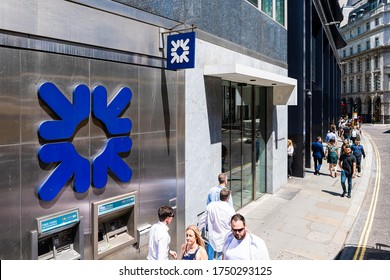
(318, 154)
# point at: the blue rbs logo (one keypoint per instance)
(58, 135)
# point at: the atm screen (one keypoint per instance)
(45, 245)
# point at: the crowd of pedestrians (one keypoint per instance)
(345, 159)
(224, 230)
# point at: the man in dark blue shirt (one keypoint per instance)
(318, 154)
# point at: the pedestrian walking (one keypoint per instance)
(240, 244)
(358, 152)
(331, 135)
(218, 215)
(332, 156)
(340, 126)
(355, 133)
(290, 154)
(193, 248)
(347, 163)
(159, 238)
(347, 132)
(342, 148)
(213, 194)
(318, 154)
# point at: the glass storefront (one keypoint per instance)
(243, 144)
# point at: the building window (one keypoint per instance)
(267, 7)
(351, 85)
(359, 48)
(376, 21)
(350, 34)
(376, 61)
(280, 11)
(359, 66)
(358, 30)
(359, 85)
(344, 53)
(376, 41)
(368, 64)
(350, 51)
(368, 26)
(254, 2)
(368, 45)
(276, 9)
(344, 86)
(368, 82)
(377, 80)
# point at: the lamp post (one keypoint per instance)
(372, 108)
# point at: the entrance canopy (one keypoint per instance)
(284, 88)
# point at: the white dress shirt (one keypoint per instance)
(218, 215)
(159, 241)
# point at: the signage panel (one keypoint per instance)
(56, 221)
(181, 51)
(116, 205)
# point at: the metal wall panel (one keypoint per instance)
(64, 20)
(9, 96)
(36, 68)
(10, 246)
(153, 158)
(158, 96)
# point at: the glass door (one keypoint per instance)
(243, 148)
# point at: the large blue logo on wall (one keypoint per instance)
(181, 51)
(59, 133)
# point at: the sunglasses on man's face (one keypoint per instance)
(237, 229)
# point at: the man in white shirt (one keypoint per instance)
(213, 195)
(159, 238)
(218, 214)
(240, 244)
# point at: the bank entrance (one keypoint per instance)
(243, 140)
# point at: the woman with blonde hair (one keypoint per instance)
(290, 153)
(193, 248)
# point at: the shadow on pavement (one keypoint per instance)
(332, 193)
(371, 253)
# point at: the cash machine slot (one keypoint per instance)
(114, 224)
(59, 237)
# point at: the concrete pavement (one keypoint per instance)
(308, 219)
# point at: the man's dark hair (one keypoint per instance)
(165, 212)
(224, 194)
(238, 217)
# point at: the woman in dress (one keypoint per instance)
(332, 155)
(290, 153)
(194, 248)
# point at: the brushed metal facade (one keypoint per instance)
(157, 105)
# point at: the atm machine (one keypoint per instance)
(59, 236)
(114, 223)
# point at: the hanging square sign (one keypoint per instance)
(181, 51)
